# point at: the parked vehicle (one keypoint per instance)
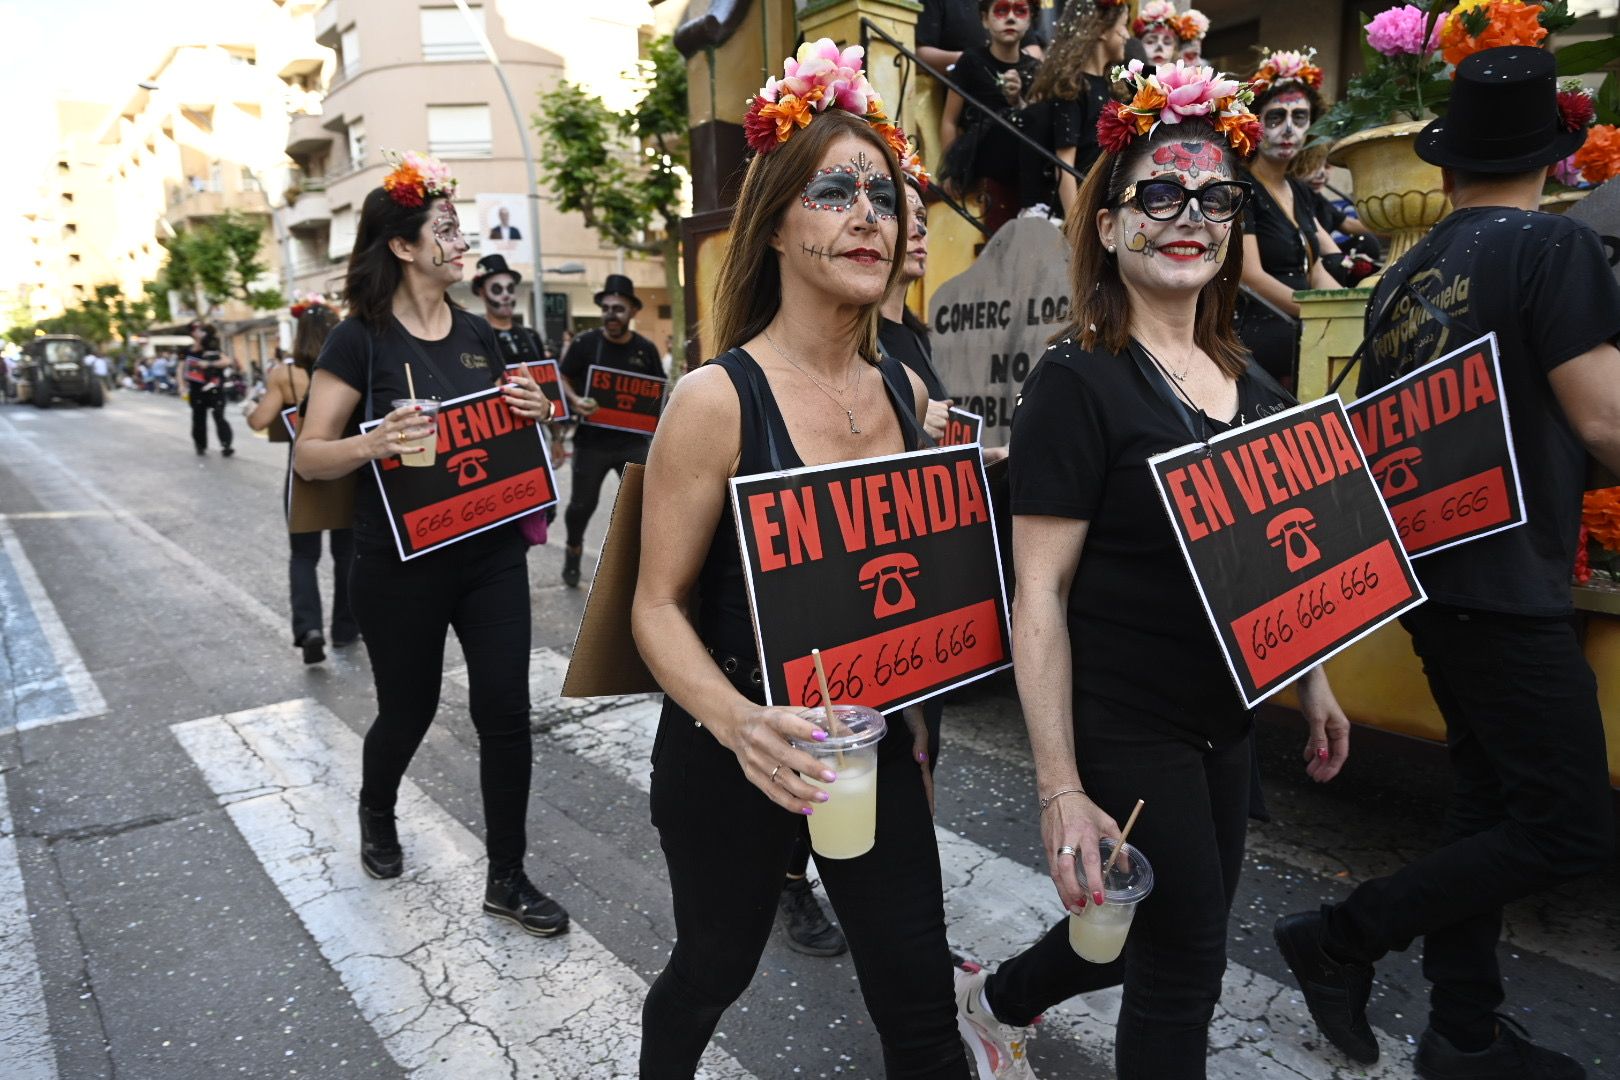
(54, 368)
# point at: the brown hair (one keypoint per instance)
(748, 290)
(375, 272)
(1062, 74)
(310, 335)
(1102, 307)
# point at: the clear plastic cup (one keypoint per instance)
(846, 824)
(428, 443)
(1098, 933)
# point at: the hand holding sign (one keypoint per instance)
(525, 398)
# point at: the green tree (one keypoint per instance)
(217, 261)
(624, 172)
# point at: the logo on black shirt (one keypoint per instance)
(473, 360)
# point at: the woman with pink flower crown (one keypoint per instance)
(1123, 686)
(1168, 35)
(815, 247)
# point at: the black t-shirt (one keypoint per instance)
(466, 359)
(913, 350)
(1286, 250)
(956, 26)
(1327, 212)
(979, 74)
(592, 347)
(1085, 427)
(1058, 125)
(1543, 284)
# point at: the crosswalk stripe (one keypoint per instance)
(48, 682)
(25, 1036)
(995, 907)
(451, 992)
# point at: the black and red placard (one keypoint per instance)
(289, 420)
(889, 566)
(491, 466)
(549, 376)
(625, 400)
(962, 428)
(1293, 552)
(1440, 447)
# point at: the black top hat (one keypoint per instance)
(1503, 116)
(618, 285)
(488, 267)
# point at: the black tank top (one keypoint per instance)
(723, 622)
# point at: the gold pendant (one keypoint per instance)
(853, 430)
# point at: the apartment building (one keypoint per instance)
(70, 215)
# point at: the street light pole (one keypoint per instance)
(535, 293)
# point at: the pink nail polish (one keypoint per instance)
(1098, 897)
(922, 756)
(822, 796)
(818, 735)
(808, 811)
(1322, 753)
(828, 775)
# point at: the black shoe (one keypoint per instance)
(314, 646)
(226, 451)
(570, 574)
(513, 896)
(380, 852)
(1511, 1057)
(799, 914)
(1336, 993)
(202, 451)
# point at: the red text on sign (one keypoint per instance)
(471, 510)
(1468, 506)
(1442, 395)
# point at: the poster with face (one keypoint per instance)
(502, 229)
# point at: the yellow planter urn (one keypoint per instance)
(1397, 193)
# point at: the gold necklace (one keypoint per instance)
(849, 413)
(1179, 376)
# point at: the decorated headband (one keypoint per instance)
(1177, 92)
(1278, 67)
(306, 303)
(417, 178)
(1189, 25)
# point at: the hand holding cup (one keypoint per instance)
(1074, 821)
(401, 434)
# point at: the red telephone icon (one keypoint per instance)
(627, 402)
(1287, 530)
(470, 466)
(887, 574)
(1394, 472)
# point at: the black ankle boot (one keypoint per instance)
(380, 852)
(511, 895)
(570, 573)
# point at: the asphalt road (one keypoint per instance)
(180, 896)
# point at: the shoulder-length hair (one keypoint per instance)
(748, 290)
(1062, 74)
(1102, 307)
(310, 334)
(375, 272)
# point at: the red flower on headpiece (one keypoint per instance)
(1575, 109)
(1116, 127)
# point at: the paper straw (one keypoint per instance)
(826, 699)
(1123, 833)
(410, 384)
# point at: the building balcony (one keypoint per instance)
(310, 211)
(326, 24)
(188, 206)
(307, 134)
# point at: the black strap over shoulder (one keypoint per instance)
(899, 386)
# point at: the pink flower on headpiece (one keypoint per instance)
(1190, 90)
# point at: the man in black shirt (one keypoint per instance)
(596, 450)
(1530, 805)
(496, 284)
(205, 370)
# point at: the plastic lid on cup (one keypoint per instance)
(425, 404)
(1131, 877)
(857, 727)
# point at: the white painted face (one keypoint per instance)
(500, 295)
(1162, 251)
(1162, 45)
(1283, 123)
(841, 235)
(439, 246)
(916, 238)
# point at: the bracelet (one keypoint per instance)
(1052, 798)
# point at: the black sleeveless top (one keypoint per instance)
(723, 621)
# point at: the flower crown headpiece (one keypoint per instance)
(1276, 67)
(1190, 25)
(306, 303)
(417, 178)
(1154, 15)
(1173, 93)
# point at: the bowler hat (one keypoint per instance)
(1503, 116)
(618, 285)
(488, 267)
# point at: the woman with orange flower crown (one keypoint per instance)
(402, 350)
(1283, 244)
(1105, 605)
(815, 246)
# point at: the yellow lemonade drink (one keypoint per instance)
(1097, 932)
(429, 444)
(846, 824)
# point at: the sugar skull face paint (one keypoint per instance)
(1283, 123)
(446, 226)
(1162, 45)
(1192, 158)
(837, 188)
(500, 295)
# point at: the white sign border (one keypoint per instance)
(978, 422)
(588, 422)
(568, 416)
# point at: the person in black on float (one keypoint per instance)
(818, 225)
(496, 284)
(407, 254)
(205, 372)
(597, 451)
(1122, 681)
(1531, 806)
(287, 385)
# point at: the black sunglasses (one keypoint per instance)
(1164, 200)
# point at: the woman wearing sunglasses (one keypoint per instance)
(1120, 677)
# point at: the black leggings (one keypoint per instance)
(593, 459)
(204, 402)
(404, 610)
(305, 587)
(727, 848)
(1192, 833)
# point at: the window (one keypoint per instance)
(349, 52)
(342, 235)
(459, 131)
(70, 229)
(67, 196)
(467, 211)
(73, 258)
(446, 35)
(357, 145)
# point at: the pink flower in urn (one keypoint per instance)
(1566, 173)
(1399, 32)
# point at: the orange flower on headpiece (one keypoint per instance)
(417, 178)
(1242, 131)
(1497, 22)
(1599, 159)
(1287, 66)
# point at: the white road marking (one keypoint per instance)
(49, 682)
(25, 1035)
(452, 992)
(996, 907)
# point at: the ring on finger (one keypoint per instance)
(1067, 849)
(774, 772)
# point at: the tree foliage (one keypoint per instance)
(219, 260)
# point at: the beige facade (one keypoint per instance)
(409, 74)
(71, 215)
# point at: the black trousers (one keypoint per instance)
(1176, 953)
(404, 610)
(204, 402)
(727, 848)
(305, 588)
(594, 458)
(1529, 806)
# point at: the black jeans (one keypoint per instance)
(1529, 806)
(1176, 953)
(727, 847)
(594, 457)
(306, 590)
(204, 402)
(404, 609)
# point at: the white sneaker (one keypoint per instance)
(997, 1049)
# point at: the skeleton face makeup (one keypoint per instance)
(1170, 230)
(1162, 46)
(841, 241)
(500, 295)
(445, 225)
(1283, 123)
(839, 187)
(917, 241)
